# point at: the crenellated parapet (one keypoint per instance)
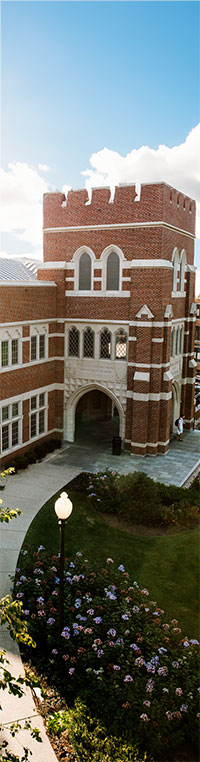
(156, 202)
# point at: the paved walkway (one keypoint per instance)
(29, 490)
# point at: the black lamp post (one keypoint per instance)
(63, 509)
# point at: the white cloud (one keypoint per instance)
(22, 188)
(44, 167)
(179, 166)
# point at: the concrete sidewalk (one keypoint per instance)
(29, 490)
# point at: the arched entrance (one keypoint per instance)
(93, 412)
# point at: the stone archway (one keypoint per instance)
(70, 411)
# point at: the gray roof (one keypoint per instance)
(21, 269)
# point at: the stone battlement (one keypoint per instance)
(125, 204)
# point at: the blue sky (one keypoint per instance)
(81, 76)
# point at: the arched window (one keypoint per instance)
(121, 345)
(85, 272)
(181, 341)
(177, 341)
(172, 342)
(175, 261)
(183, 262)
(112, 276)
(73, 342)
(88, 343)
(105, 344)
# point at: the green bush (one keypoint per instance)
(90, 740)
(141, 500)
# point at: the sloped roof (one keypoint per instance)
(18, 269)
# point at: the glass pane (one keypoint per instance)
(33, 403)
(33, 425)
(88, 343)
(42, 346)
(112, 282)
(14, 351)
(33, 347)
(14, 409)
(85, 272)
(5, 438)
(14, 433)
(5, 414)
(73, 347)
(41, 421)
(4, 353)
(121, 346)
(41, 400)
(105, 349)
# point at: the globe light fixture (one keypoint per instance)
(63, 508)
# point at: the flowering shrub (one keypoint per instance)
(116, 652)
(140, 500)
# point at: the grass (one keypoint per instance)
(167, 565)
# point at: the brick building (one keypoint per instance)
(107, 330)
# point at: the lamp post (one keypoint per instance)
(63, 508)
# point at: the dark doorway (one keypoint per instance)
(97, 419)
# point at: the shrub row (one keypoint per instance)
(141, 500)
(39, 452)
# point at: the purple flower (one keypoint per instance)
(55, 592)
(40, 599)
(51, 620)
(121, 568)
(41, 547)
(72, 566)
(119, 642)
(66, 633)
(100, 653)
(41, 612)
(128, 679)
(186, 644)
(98, 620)
(23, 579)
(90, 612)
(184, 708)
(77, 603)
(53, 568)
(163, 671)
(19, 595)
(135, 609)
(193, 642)
(125, 616)
(112, 632)
(139, 662)
(54, 651)
(134, 646)
(71, 670)
(26, 612)
(116, 667)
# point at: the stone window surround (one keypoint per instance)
(10, 420)
(97, 264)
(179, 269)
(8, 335)
(113, 330)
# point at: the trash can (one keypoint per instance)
(116, 446)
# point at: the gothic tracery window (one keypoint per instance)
(121, 345)
(73, 343)
(88, 343)
(105, 344)
(85, 272)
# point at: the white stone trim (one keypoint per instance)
(118, 225)
(168, 376)
(148, 365)
(180, 294)
(69, 278)
(140, 376)
(25, 283)
(188, 381)
(149, 396)
(33, 392)
(132, 338)
(145, 311)
(125, 278)
(109, 294)
(75, 320)
(147, 444)
(69, 413)
(53, 265)
(158, 341)
(192, 363)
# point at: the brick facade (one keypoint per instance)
(152, 238)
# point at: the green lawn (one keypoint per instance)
(166, 565)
